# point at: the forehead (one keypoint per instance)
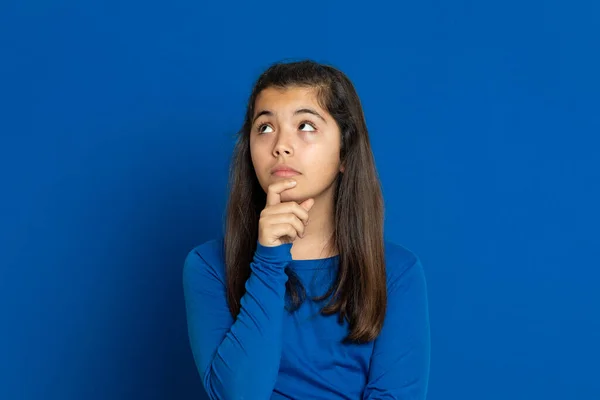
(287, 98)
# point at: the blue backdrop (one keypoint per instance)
(117, 123)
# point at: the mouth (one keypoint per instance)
(285, 173)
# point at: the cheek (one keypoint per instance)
(323, 158)
(323, 166)
(256, 156)
(260, 164)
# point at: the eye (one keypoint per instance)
(305, 123)
(260, 128)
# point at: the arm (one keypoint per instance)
(237, 358)
(400, 362)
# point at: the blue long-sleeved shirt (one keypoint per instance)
(270, 353)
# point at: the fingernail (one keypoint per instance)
(291, 183)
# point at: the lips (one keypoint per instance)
(284, 170)
(286, 173)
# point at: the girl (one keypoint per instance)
(303, 298)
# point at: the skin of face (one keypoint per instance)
(291, 129)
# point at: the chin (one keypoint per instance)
(288, 196)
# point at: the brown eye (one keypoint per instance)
(260, 128)
(309, 125)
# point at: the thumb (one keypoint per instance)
(307, 204)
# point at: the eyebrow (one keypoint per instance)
(297, 112)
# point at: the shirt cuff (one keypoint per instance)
(275, 254)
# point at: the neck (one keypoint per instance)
(318, 234)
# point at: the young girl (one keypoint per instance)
(303, 298)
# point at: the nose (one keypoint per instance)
(283, 146)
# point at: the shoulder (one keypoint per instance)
(206, 260)
(402, 264)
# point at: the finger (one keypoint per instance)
(291, 219)
(281, 230)
(289, 207)
(274, 191)
(307, 204)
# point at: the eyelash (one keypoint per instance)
(259, 127)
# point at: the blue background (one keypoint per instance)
(117, 123)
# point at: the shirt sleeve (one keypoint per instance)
(237, 358)
(401, 353)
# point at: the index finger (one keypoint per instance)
(274, 191)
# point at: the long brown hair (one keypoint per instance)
(358, 294)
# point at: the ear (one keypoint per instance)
(342, 168)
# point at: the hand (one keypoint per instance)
(282, 222)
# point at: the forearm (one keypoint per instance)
(239, 358)
(246, 363)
